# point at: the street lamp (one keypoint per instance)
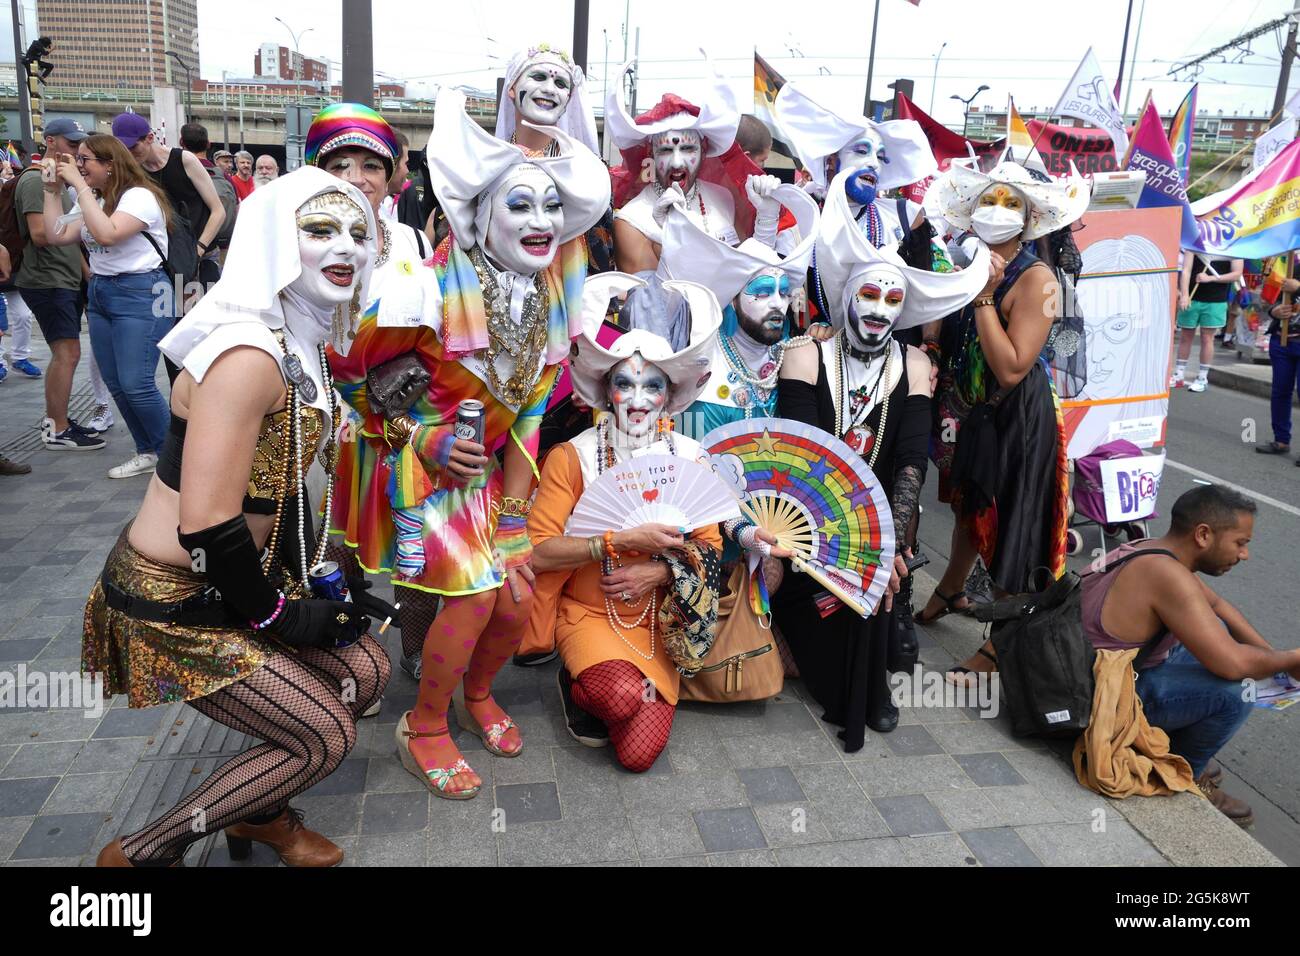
(296, 37)
(189, 84)
(965, 118)
(935, 82)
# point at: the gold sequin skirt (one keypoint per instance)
(157, 663)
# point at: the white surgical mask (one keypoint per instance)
(996, 224)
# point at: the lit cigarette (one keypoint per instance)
(389, 620)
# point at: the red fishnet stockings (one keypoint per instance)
(615, 691)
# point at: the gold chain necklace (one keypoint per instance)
(524, 342)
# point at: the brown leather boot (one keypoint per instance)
(1213, 771)
(296, 845)
(112, 855)
(1238, 811)
(10, 467)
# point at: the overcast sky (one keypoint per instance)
(1028, 48)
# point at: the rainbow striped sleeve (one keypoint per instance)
(526, 431)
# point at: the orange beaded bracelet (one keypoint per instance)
(609, 545)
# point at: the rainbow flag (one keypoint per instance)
(1020, 145)
(768, 83)
(1257, 218)
(1180, 134)
(12, 157)
(1272, 287)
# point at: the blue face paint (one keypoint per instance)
(860, 191)
(767, 285)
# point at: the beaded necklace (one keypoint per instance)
(696, 195)
(875, 227)
(843, 398)
(605, 459)
(764, 383)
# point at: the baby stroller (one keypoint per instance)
(1087, 504)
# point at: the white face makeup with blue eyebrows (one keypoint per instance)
(764, 304)
(867, 155)
(542, 91)
(525, 221)
(638, 392)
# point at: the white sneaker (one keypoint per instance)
(1177, 381)
(1199, 385)
(101, 421)
(139, 465)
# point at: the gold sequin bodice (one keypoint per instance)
(274, 442)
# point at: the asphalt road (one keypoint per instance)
(1205, 433)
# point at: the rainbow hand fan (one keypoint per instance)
(817, 497)
(660, 488)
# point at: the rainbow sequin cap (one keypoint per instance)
(350, 124)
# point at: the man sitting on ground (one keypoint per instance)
(1192, 684)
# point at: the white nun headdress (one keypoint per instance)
(1053, 205)
(717, 120)
(691, 254)
(466, 163)
(844, 254)
(264, 259)
(688, 370)
(578, 121)
(817, 132)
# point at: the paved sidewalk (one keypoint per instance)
(749, 784)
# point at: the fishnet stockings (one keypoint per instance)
(614, 691)
(304, 707)
(415, 616)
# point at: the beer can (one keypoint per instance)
(469, 420)
(327, 582)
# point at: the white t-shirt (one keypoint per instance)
(134, 254)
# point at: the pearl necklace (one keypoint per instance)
(385, 244)
(300, 477)
(605, 459)
(759, 382)
(842, 398)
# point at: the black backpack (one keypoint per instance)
(1044, 658)
(182, 260)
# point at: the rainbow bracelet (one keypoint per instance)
(279, 607)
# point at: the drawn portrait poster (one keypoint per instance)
(1127, 293)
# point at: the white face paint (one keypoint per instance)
(542, 92)
(677, 156)
(334, 242)
(525, 221)
(876, 307)
(763, 304)
(638, 392)
(866, 155)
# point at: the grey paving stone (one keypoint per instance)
(1020, 806)
(976, 737)
(896, 776)
(86, 792)
(1000, 847)
(827, 781)
(989, 770)
(41, 760)
(20, 651)
(568, 842)
(331, 815)
(860, 853)
(849, 818)
(61, 557)
(528, 802)
(461, 845)
(350, 777)
(59, 835)
(387, 775)
(791, 824)
(26, 796)
(967, 810)
(743, 858)
(912, 742)
(12, 830)
(910, 815)
(765, 749)
(113, 753)
(534, 765)
(694, 751)
(390, 850)
(677, 861)
(394, 812)
(940, 849)
(735, 828)
(7, 752)
(666, 835)
(681, 791)
(771, 785)
(1077, 844)
(130, 723)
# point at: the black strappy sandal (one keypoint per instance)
(961, 671)
(949, 607)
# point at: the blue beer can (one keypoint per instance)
(327, 582)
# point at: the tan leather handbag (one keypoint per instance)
(743, 663)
